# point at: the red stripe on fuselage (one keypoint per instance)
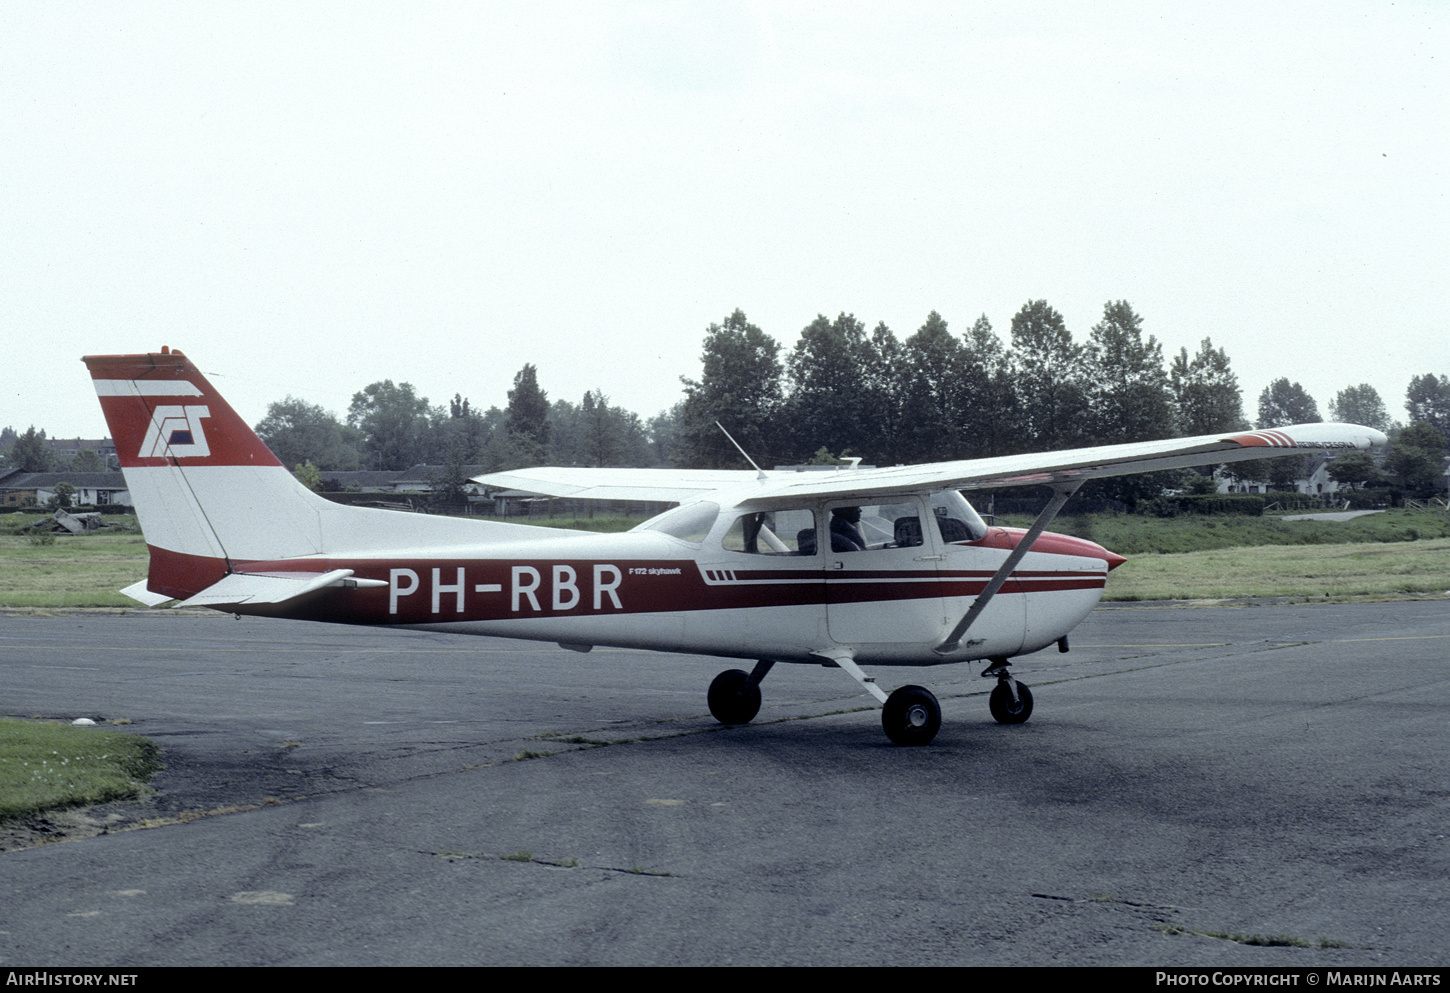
(432, 591)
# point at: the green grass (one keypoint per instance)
(85, 570)
(1128, 534)
(45, 765)
(90, 570)
(1318, 572)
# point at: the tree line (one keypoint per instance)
(844, 391)
(936, 396)
(390, 427)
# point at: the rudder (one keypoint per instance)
(207, 490)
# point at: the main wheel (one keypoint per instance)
(731, 700)
(911, 716)
(1004, 710)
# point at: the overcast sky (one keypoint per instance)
(308, 197)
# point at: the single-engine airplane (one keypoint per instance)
(880, 567)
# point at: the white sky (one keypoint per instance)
(308, 197)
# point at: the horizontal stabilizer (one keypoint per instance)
(242, 587)
(141, 594)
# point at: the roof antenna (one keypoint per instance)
(760, 473)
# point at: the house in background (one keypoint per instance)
(68, 448)
(93, 489)
(1318, 482)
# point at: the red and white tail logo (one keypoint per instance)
(161, 409)
(176, 431)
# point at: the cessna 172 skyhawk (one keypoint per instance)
(880, 567)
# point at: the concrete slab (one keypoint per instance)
(1189, 775)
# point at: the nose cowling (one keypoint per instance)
(1066, 544)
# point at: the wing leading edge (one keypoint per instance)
(776, 489)
(664, 485)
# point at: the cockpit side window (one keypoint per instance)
(875, 527)
(778, 532)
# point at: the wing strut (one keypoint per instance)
(1063, 491)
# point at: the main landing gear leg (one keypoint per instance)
(909, 716)
(1011, 701)
(735, 694)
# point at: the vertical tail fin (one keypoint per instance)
(208, 492)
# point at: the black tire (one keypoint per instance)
(731, 700)
(911, 716)
(1004, 711)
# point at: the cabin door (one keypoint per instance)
(882, 582)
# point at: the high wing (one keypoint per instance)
(779, 489)
(665, 485)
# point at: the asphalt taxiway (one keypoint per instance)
(1191, 777)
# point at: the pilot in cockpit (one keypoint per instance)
(845, 533)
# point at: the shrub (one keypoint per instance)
(1238, 504)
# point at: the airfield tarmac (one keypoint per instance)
(403, 798)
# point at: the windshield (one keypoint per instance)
(955, 517)
(691, 522)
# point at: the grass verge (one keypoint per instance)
(44, 766)
(1314, 572)
(1128, 534)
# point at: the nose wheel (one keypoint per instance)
(1011, 701)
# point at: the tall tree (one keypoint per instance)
(31, 453)
(394, 423)
(1206, 394)
(1283, 403)
(740, 387)
(826, 374)
(603, 429)
(527, 418)
(662, 433)
(1128, 386)
(1360, 405)
(298, 432)
(882, 375)
(1428, 400)
(566, 445)
(931, 393)
(459, 432)
(989, 417)
(1416, 459)
(1129, 396)
(1048, 368)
